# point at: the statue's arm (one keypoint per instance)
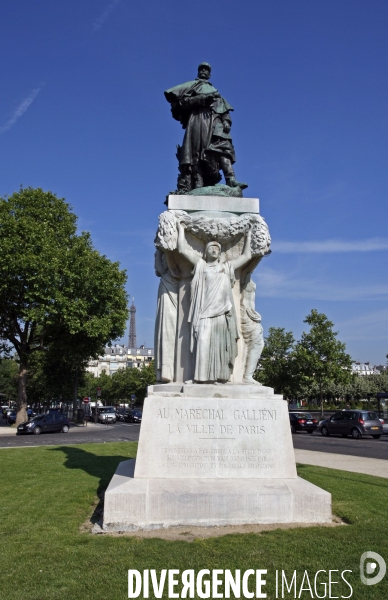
(159, 268)
(183, 248)
(247, 253)
(226, 122)
(190, 102)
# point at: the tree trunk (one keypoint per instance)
(321, 397)
(21, 403)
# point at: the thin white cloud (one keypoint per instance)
(98, 23)
(20, 110)
(371, 326)
(290, 285)
(331, 246)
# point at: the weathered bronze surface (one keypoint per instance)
(207, 145)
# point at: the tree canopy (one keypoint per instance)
(315, 365)
(276, 362)
(320, 357)
(56, 291)
(119, 387)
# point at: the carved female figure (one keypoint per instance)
(212, 315)
(166, 318)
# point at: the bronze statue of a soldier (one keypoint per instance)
(207, 145)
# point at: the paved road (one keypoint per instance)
(127, 432)
(366, 447)
(120, 432)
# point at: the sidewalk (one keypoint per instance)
(343, 462)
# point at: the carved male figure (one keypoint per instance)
(212, 315)
(252, 330)
(207, 145)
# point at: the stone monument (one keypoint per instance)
(215, 446)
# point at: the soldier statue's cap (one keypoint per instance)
(205, 64)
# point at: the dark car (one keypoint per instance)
(11, 417)
(134, 416)
(120, 414)
(353, 422)
(300, 421)
(42, 423)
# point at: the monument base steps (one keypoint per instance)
(151, 503)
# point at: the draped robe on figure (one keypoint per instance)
(165, 326)
(212, 315)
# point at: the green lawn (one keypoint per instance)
(47, 493)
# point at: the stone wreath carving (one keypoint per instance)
(222, 230)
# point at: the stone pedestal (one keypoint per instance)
(212, 455)
(210, 452)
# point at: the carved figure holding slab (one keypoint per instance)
(166, 318)
(252, 331)
(212, 315)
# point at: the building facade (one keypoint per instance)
(364, 369)
(120, 357)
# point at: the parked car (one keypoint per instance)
(353, 422)
(120, 414)
(107, 414)
(300, 421)
(11, 417)
(45, 423)
(134, 416)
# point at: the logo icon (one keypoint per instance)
(368, 564)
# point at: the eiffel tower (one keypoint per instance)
(132, 326)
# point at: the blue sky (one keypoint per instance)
(82, 113)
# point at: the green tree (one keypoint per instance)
(56, 290)
(118, 387)
(9, 378)
(276, 365)
(105, 383)
(57, 371)
(146, 377)
(320, 358)
(126, 382)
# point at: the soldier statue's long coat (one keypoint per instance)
(204, 124)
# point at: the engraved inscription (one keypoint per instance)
(177, 420)
(255, 415)
(211, 413)
(193, 434)
(222, 458)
